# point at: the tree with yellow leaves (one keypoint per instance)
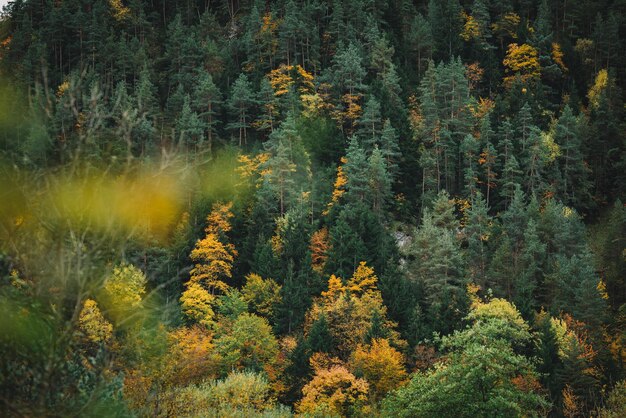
(335, 289)
(522, 60)
(363, 281)
(340, 185)
(93, 324)
(334, 391)
(213, 258)
(123, 292)
(352, 311)
(262, 295)
(213, 263)
(119, 11)
(197, 303)
(191, 355)
(381, 365)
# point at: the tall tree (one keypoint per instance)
(206, 102)
(240, 103)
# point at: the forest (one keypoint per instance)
(313, 208)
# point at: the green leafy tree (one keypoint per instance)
(484, 374)
(250, 345)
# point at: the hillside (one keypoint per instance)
(312, 208)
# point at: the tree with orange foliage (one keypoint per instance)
(192, 356)
(340, 185)
(319, 247)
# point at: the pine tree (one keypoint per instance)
(438, 265)
(379, 182)
(370, 123)
(578, 289)
(529, 280)
(574, 172)
(347, 245)
(241, 101)
(420, 40)
(268, 113)
(319, 339)
(290, 33)
(356, 170)
(189, 126)
(446, 22)
(478, 233)
(469, 148)
(510, 172)
(442, 212)
(535, 159)
(147, 107)
(206, 102)
(348, 71)
(479, 25)
(390, 148)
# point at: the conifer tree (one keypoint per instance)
(478, 235)
(390, 148)
(531, 273)
(240, 103)
(574, 172)
(370, 123)
(356, 170)
(207, 99)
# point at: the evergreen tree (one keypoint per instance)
(268, 112)
(510, 172)
(356, 170)
(469, 148)
(531, 273)
(379, 182)
(207, 99)
(190, 128)
(478, 234)
(577, 290)
(534, 162)
(420, 41)
(574, 173)
(438, 265)
(319, 339)
(390, 149)
(348, 71)
(445, 21)
(370, 123)
(240, 103)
